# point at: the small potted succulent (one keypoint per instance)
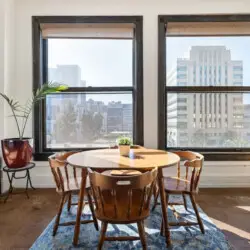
(124, 145)
(17, 152)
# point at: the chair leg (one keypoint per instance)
(102, 235)
(185, 201)
(197, 214)
(162, 228)
(162, 221)
(142, 235)
(155, 200)
(92, 210)
(69, 201)
(58, 215)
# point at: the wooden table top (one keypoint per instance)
(110, 159)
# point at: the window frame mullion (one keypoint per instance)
(208, 89)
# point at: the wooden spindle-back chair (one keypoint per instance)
(186, 185)
(193, 162)
(67, 183)
(122, 200)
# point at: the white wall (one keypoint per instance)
(2, 43)
(236, 173)
(7, 48)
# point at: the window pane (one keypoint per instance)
(90, 62)
(87, 120)
(212, 120)
(205, 61)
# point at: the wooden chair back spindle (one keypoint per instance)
(193, 161)
(60, 172)
(122, 198)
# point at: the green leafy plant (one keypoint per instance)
(21, 113)
(124, 141)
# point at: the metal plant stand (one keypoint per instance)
(11, 173)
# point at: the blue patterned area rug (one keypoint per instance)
(182, 237)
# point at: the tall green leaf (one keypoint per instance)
(24, 111)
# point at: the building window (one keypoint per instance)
(95, 57)
(223, 105)
(237, 68)
(238, 76)
(182, 68)
(181, 76)
(237, 83)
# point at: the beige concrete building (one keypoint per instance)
(205, 119)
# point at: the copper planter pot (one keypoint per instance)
(17, 153)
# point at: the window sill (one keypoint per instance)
(226, 156)
(43, 156)
(209, 156)
(220, 156)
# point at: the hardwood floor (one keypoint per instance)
(23, 220)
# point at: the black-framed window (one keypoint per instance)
(204, 85)
(100, 59)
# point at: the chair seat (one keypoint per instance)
(117, 172)
(175, 184)
(74, 184)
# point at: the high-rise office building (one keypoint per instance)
(204, 119)
(114, 117)
(127, 118)
(69, 75)
(66, 74)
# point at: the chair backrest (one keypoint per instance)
(194, 161)
(122, 198)
(60, 171)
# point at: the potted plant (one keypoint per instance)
(124, 145)
(17, 152)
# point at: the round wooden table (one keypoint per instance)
(105, 159)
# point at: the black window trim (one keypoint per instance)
(40, 74)
(214, 154)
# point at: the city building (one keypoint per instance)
(66, 74)
(69, 75)
(127, 118)
(205, 119)
(116, 117)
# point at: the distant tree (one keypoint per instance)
(91, 124)
(236, 143)
(66, 125)
(234, 139)
(198, 139)
(171, 141)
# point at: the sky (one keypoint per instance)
(103, 63)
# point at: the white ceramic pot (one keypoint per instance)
(124, 150)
